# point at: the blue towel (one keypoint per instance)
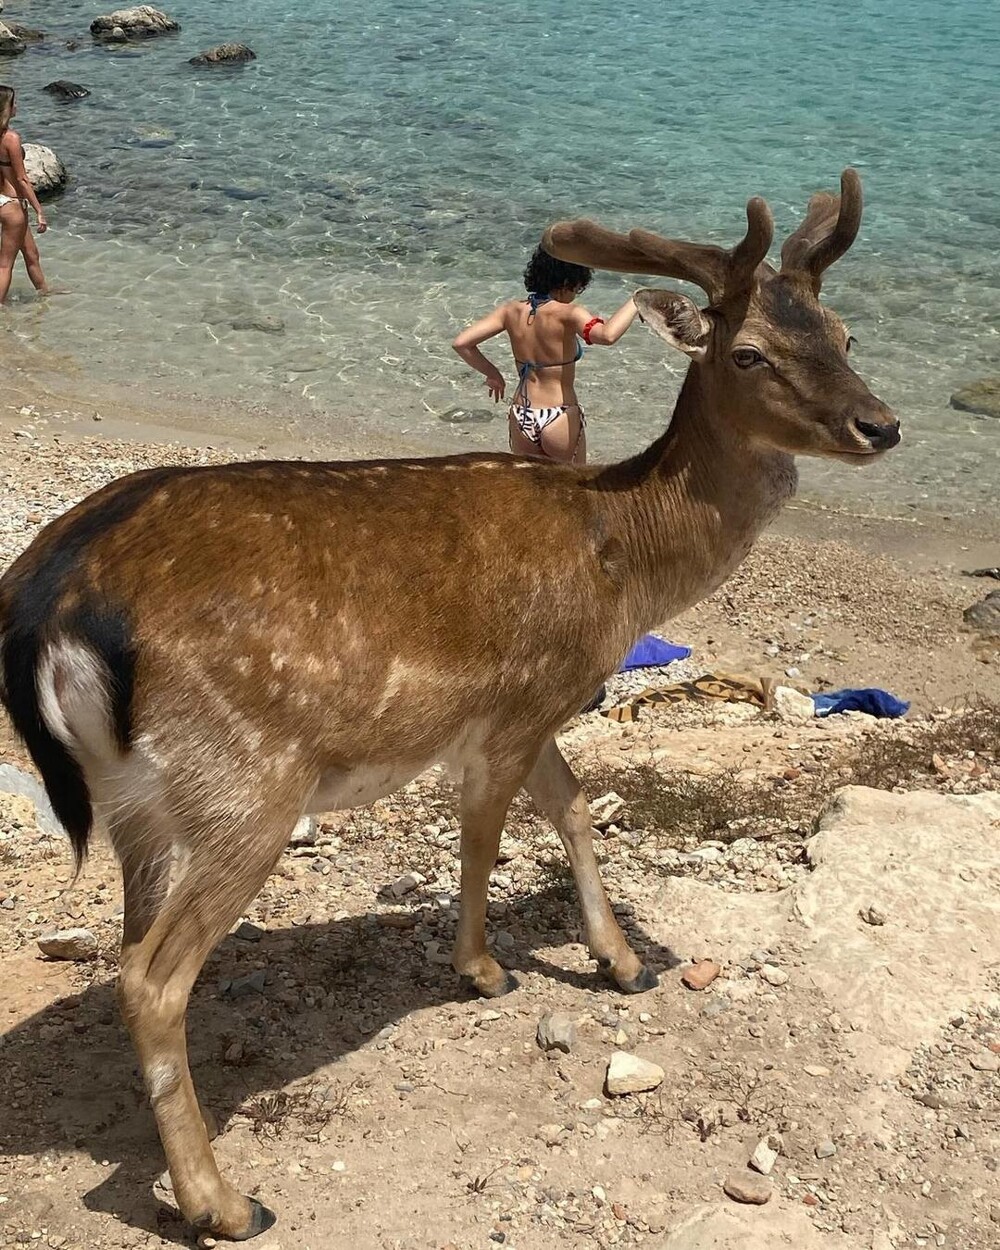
(874, 702)
(653, 652)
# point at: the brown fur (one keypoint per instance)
(309, 636)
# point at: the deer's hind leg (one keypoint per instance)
(227, 863)
(556, 791)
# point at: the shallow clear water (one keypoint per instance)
(376, 178)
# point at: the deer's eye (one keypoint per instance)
(747, 357)
(851, 342)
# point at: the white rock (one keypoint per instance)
(628, 1074)
(774, 975)
(305, 833)
(45, 170)
(606, 810)
(793, 707)
(78, 944)
(765, 1154)
(141, 21)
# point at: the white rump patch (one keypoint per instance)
(74, 699)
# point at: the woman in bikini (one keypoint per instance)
(16, 192)
(547, 333)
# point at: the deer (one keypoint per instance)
(195, 657)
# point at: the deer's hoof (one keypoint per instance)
(645, 979)
(261, 1219)
(492, 987)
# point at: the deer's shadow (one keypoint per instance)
(69, 1077)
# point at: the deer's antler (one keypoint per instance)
(831, 226)
(722, 275)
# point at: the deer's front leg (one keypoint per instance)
(557, 792)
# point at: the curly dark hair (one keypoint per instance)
(544, 274)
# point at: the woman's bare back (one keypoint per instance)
(546, 338)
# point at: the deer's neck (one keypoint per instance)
(690, 507)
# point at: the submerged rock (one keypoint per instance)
(10, 45)
(225, 54)
(140, 22)
(45, 170)
(27, 34)
(981, 397)
(63, 89)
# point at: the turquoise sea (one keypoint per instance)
(377, 177)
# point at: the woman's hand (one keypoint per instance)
(496, 385)
(43, 224)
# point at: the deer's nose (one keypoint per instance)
(881, 435)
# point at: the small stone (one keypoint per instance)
(600, 1197)
(556, 1031)
(550, 1134)
(765, 1154)
(243, 987)
(225, 54)
(872, 916)
(234, 1052)
(606, 810)
(76, 944)
(701, 974)
(748, 1187)
(985, 1063)
(815, 1069)
(305, 833)
(406, 883)
(774, 975)
(628, 1074)
(826, 1150)
(248, 932)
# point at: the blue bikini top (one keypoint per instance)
(526, 367)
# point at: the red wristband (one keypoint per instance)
(594, 321)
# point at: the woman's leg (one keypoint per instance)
(33, 263)
(565, 438)
(13, 223)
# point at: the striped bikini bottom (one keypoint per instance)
(532, 421)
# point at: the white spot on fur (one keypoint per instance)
(160, 1078)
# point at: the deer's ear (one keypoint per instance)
(675, 318)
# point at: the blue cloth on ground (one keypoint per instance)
(653, 652)
(873, 701)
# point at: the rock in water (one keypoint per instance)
(27, 34)
(981, 397)
(748, 1187)
(556, 1032)
(10, 45)
(45, 170)
(75, 944)
(63, 89)
(628, 1074)
(140, 22)
(225, 54)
